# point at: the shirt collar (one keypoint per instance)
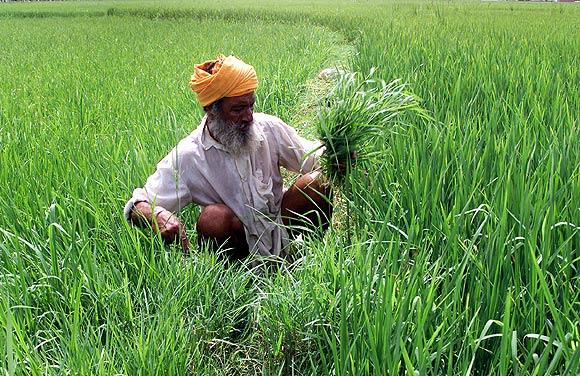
(207, 141)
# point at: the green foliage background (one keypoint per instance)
(463, 255)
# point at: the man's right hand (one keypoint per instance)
(171, 229)
(166, 224)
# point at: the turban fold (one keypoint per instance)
(224, 77)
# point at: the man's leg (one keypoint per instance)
(218, 225)
(308, 204)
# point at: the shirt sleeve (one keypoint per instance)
(296, 153)
(165, 189)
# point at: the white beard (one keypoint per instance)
(234, 140)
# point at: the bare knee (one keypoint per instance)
(313, 188)
(306, 182)
(308, 202)
(219, 226)
(218, 221)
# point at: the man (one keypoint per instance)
(231, 166)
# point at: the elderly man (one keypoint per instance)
(230, 165)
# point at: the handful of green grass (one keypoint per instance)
(355, 114)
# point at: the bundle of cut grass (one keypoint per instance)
(356, 113)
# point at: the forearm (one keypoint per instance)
(142, 214)
(162, 221)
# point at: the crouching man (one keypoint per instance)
(230, 165)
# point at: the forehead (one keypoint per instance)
(242, 100)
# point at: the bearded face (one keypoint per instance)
(237, 138)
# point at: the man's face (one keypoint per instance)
(239, 110)
(231, 124)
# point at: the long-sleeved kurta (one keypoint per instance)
(200, 170)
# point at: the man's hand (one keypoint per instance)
(171, 229)
(343, 166)
(166, 224)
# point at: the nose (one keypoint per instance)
(248, 116)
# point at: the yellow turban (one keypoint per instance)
(229, 77)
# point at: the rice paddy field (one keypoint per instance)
(454, 252)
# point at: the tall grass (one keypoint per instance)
(86, 113)
(356, 112)
(462, 258)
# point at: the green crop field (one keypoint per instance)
(454, 251)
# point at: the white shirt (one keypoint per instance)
(199, 170)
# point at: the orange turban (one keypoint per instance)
(229, 77)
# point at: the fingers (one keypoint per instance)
(172, 230)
